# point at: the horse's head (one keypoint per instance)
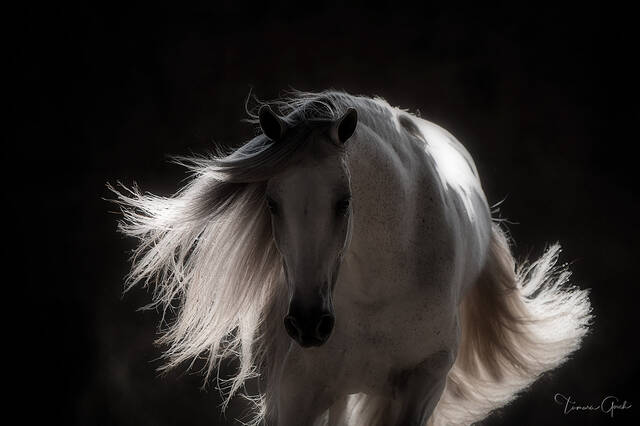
(310, 206)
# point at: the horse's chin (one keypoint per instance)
(311, 343)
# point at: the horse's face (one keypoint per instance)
(310, 215)
(310, 206)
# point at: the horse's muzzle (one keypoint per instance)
(309, 330)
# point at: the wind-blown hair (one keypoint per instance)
(517, 323)
(208, 252)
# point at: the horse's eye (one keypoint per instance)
(273, 206)
(342, 206)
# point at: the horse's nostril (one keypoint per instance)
(312, 331)
(292, 327)
(325, 326)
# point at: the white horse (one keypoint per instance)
(365, 230)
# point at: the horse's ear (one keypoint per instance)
(346, 125)
(271, 125)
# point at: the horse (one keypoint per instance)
(347, 258)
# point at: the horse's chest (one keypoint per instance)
(374, 343)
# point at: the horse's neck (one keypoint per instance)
(468, 208)
(408, 210)
(392, 188)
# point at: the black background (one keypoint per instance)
(544, 98)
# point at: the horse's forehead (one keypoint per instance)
(310, 174)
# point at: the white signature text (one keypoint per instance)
(608, 405)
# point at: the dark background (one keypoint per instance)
(545, 99)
